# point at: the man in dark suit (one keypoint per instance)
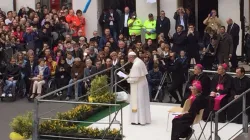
(163, 25)
(225, 47)
(234, 29)
(124, 22)
(193, 47)
(113, 20)
(181, 18)
(179, 40)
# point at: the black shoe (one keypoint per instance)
(135, 124)
(177, 102)
(190, 135)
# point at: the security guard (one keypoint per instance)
(150, 28)
(135, 26)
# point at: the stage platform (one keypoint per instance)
(157, 130)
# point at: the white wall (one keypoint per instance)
(6, 5)
(24, 3)
(230, 9)
(91, 15)
(170, 6)
(143, 9)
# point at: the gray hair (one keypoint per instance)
(77, 59)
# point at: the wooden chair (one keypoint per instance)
(197, 120)
(178, 110)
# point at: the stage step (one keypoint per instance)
(243, 136)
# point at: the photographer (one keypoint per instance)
(213, 21)
(174, 66)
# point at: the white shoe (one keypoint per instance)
(9, 95)
(3, 95)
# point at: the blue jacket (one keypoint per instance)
(154, 77)
(46, 72)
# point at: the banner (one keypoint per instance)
(151, 1)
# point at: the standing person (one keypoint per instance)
(135, 26)
(233, 29)
(150, 28)
(225, 47)
(179, 40)
(112, 20)
(174, 65)
(139, 99)
(124, 22)
(163, 26)
(241, 83)
(181, 18)
(213, 21)
(193, 47)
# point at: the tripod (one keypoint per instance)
(165, 76)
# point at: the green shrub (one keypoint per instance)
(23, 125)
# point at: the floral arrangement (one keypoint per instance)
(22, 125)
(99, 91)
(59, 128)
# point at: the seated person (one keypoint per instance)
(241, 83)
(185, 64)
(41, 75)
(202, 78)
(88, 71)
(76, 74)
(220, 89)
(181, 123)
(62, 75)
(51, 64)
(154, 78)
(11, 75)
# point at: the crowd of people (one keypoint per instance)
(40, 44)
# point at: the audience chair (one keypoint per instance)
(178, 110)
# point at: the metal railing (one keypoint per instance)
(38, 117)
(243, 112)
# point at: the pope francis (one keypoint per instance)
(139, 93)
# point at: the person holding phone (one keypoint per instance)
(135, 26)
(213, 21)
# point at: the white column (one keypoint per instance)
(6, 5)
(230, 9)
(25, 3)
(170, 7)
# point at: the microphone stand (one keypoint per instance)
(116, 121)
(116, 83)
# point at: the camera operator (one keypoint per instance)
(174, 66)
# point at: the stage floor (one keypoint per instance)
(157, 130)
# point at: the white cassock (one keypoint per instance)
(139, 93)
